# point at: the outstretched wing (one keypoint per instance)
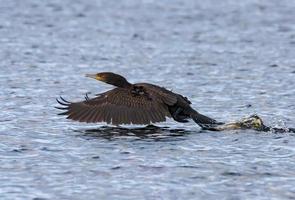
(117, 106)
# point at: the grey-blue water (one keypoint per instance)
(230, 58)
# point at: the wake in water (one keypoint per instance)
(253, 122)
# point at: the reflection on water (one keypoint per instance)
(151, 132)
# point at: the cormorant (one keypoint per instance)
(140, 103)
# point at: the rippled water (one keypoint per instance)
(230, 58)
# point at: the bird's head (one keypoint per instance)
(110, 78)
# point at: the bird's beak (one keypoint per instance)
(91, 76)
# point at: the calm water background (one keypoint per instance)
(223, 55)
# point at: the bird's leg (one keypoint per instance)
(178, 110)
(178, 117)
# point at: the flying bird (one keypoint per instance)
(127, 103)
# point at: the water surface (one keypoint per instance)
(231, 59)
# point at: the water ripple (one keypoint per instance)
(231, 59)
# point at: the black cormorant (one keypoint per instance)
(127, 103)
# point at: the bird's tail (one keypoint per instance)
(204, 121)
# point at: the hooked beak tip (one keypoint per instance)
(91, 75)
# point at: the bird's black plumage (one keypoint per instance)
(140, 103)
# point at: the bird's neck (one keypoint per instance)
(119, 82)
(123, 84)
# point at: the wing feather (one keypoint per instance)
(120, 106)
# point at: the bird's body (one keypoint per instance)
(140, 103)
